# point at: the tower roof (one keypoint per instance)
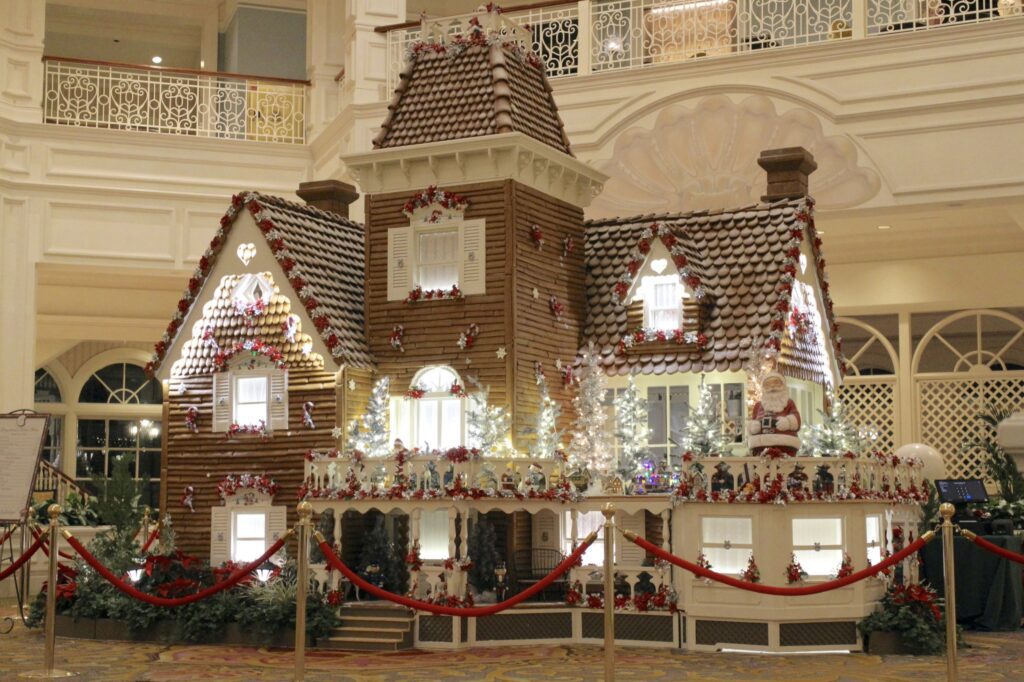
(469, 87)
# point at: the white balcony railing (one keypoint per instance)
(591, 36)
(202, 104)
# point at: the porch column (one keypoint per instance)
(452, 514)
(22, 27)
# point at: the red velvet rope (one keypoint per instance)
(463, 611)
(785, 591)
(7, 572)
(9, 533)
(63, 555)
(152, 536)
(996, 549)
(230, 581)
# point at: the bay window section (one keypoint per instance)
(818, 545)
(727, 542)
(586, 523)
(874, 539)
(434, 534)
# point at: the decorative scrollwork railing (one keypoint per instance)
(577, 38)
(203, 104)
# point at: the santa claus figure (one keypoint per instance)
(776, 420)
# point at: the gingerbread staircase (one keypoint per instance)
(372, 626)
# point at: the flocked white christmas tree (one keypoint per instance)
(548, 436)
(631, 430)
(834, 436)
(369, 433)
(704, 434)
(487, 425)
(591, 448)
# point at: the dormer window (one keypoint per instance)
(250, 394)
(252, 291)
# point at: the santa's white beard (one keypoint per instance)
(775, 401)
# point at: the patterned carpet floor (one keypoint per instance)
(992, 656)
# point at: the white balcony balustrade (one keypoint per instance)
(592, 36)
(113, 96)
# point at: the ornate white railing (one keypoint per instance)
(126, 97)
(589, 36)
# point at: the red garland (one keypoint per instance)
(420, 294)
(432, 195)
(256, 347)
(232, 483)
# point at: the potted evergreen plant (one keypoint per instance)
(911, 620)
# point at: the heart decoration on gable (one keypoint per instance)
(246, 252)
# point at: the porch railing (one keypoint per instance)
(53, 482)
(592, 36)
(109, 95)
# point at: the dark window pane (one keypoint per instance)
(151, 495)
(52, 446)
(93, 392)
(151, 393)
(112, 375)
(119, 456)
(149, 436)
(124, 433)
(47, 390)
(92, 433)
(149, 464)
(656, 409)
(89, 464)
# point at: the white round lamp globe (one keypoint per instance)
(934, 467)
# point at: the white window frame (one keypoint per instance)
(874, 547)
(236, 376)
(430, 550)
(841, 546)
(244, 291)
(744, 548)
(435, 229)
(405, 411)
(403, 268)
(585, 523)
(646, 290)
(235, 514)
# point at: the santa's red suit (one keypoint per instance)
(775, 429)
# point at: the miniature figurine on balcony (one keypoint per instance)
(487, 478)
(722, 480)
(534, 480)
(431, 477)
(510, 479)
(776, 420)
(797, 479)
(824, 482)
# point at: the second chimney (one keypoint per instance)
(788, 170)
(328, 195)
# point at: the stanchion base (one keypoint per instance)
(47, 674)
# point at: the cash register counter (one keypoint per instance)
(989, 594)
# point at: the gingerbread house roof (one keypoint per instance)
(744, 259)
(471, 87)
(322, 255)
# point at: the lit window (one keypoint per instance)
(435, 420)
(874, 538)
(663, 301)
(437, 259)
(818, 545)
(251, 400)
(434, 534)
(727, 542)
(586, 523)
(248, 536)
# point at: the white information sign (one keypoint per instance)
(21, 444)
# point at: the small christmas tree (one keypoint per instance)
(631, 429)
(369, 433)
(548, 435)
(483, 552)
(834, 436)
(487, 425)
(704, 434)
(380, 562)
(590, 447)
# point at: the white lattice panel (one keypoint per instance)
(947, 416)
(871, 407)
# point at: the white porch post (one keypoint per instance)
(905, 380)
(22, 27)
(327, 35)
(17, 305)
(452, 514)
(366, 60)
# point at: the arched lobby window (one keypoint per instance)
(48, 394)
(117, 420)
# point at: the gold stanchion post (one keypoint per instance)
(947, 510)
(609, 592)
(51, 602)
(305, 510)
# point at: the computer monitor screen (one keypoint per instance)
(963, 490)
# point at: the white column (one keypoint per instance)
(327, 35)
(907, 419)
(584, 38)
(17, 305)
(860, 19)
(22, 26)
(574, 531)
(208, 43)
(665, 544)
(452, 514)
(366, 62)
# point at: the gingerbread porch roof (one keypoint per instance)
(468, 88)
(321, 253)
(746, 261)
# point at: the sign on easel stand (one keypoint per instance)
(22, 435)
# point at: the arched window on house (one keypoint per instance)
(435, 419)
(119, 418)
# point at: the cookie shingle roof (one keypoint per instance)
(738, 255)
(468, 91)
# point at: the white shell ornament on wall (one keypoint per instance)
(246, 252)
(703, 155)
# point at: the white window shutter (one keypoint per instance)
(277, 524)
(400, 263)
(473, 264)
(220, 535)
(223, 414)
(627, 553)
(278, 405)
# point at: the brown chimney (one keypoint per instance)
(788, 170)
(328, 195)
